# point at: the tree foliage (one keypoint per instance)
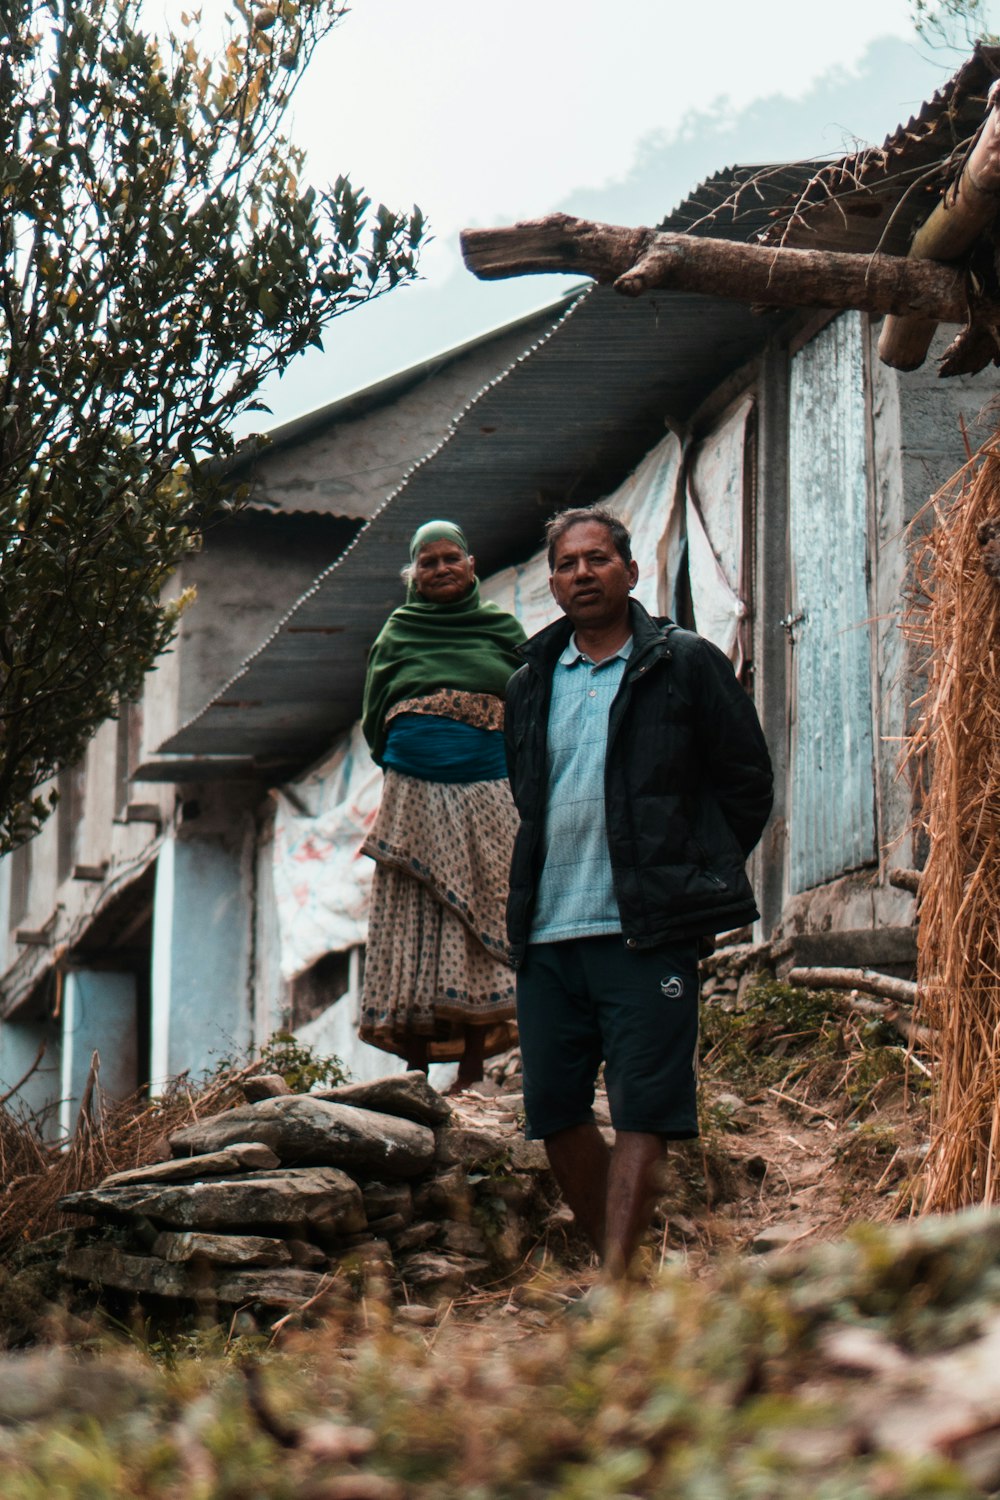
(159, 258)
(954, 24)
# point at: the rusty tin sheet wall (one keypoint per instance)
(832, 813)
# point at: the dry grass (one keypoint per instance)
(109, 1137)
(957, 741)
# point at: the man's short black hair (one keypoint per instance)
(564, 519)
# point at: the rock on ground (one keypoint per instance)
(242, 1156)
(405, 1094)
(272, 1286)
(306, 1131)
(325, 1199)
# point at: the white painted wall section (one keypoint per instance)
(19, 1044)
(201, 954)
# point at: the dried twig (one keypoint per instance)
(851, 980)
(321, 1291)
(869, 980)
(809, 1109)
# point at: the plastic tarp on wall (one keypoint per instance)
(648, 503)
(714, 516)
(321, 880)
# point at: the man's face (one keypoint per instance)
(442, 572)
(589, 580)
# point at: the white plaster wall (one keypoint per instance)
(202, 926)
(251, 572)
(99, 810)
(66, 909)
(161, 694)
(39, 1092)
(269, 998)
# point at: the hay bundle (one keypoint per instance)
(957, 739)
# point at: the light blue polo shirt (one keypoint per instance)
(576, 896)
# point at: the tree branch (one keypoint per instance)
(899, 991)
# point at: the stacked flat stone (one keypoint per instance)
(730, 969)
(267, 1203)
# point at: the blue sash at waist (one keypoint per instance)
(433, 748)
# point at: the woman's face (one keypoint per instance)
(442, 572)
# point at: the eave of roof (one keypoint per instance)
(543, 434)
(362, 403)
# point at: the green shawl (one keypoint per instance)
(466, 645)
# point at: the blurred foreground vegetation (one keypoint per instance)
(689, 1390)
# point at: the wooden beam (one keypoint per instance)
(967, 209)
(868, 980)
(635, 261)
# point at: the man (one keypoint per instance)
(643, 782)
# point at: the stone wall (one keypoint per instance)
(271, 1204)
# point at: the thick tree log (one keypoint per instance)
(639, 260)
(905, 880)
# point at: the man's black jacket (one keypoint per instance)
(687, 784)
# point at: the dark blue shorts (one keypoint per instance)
(592, 1000)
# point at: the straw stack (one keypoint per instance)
(955, 752)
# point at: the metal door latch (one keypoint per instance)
(789, 623)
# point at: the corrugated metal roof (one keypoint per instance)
(371, 397)
(563, 426)
(875, 199)
(338, 461)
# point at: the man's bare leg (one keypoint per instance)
(631, 1189)
(580, 1159)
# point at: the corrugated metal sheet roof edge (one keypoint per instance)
(369, 398)
(577, 298)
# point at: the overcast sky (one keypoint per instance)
(485, 114)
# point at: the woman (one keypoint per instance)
(437, 981)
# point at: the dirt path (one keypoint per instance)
(779, 1165)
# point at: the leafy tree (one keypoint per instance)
(159, 258)
(955, 24)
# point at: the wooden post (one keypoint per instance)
(966, 209)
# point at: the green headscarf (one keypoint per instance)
(467, 645)
(437, 531)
